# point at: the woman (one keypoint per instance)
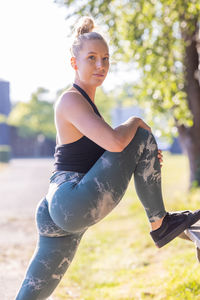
(93, 166)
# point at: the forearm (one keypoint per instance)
(127, 130)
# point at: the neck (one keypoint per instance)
(90, 90)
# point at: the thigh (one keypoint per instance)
(75, 205)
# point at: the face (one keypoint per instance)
(92, 63)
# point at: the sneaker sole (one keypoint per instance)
(188, 223)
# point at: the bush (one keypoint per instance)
(5, 152)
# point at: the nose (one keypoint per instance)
(100, 64)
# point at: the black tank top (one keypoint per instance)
(80, 155)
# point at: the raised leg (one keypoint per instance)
(147, 177)
(76, 205)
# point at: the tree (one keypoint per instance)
(163, 38)
(104, 101)
(34, 117)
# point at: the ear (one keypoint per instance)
(73, 63)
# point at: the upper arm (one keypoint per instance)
(80, 114)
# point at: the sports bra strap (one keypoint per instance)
(84, 94)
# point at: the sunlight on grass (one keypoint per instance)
(118, 260)
(189, 271)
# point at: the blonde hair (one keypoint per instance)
(84, 32)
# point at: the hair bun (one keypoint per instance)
(85, 25)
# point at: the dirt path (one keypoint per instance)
(22, 184)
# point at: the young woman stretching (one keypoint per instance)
(93, 166)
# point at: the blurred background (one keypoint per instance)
(154, 74)
(154, 71)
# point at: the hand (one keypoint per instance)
(160, 157)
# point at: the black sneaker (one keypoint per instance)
(174, 224)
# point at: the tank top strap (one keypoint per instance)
(85, 95)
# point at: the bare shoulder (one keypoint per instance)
(70, 100)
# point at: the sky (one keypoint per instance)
(34, 48)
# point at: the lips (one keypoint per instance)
(99, 75)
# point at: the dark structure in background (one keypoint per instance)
(5, 107)
(34, 146)
(175, 147)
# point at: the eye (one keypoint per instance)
(106, 58)
(92, 57)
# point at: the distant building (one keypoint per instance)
(120, 114)
(5, 107)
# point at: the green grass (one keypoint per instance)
(117, 259)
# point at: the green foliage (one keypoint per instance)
(34, 117)
(104, 102)
(150, 33)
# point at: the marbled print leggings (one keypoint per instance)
(76, 201)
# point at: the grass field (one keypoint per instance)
(118, 260)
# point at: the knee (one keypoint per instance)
(146, 137)
(150, 148)
(142, 133)
(144, 143)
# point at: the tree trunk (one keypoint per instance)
(190, 142)
(190, 137)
